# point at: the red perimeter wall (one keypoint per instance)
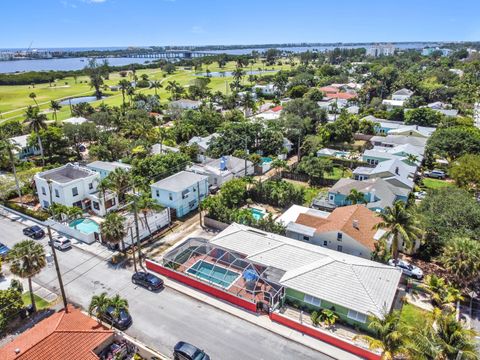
(364, 353)
(197, 284)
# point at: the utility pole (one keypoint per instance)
(246, 153)
(135, 218)
(57, 268)
(198, 199)
(133, 250)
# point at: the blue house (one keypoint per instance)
(377, 193)
(182, 191)
(104, 168)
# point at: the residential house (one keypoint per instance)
(428, 51)
(377, 193)
(326, 152)
(224, 169)
(74, 185)
(63, 335)
(104, 168)
(381, 50)
(405, 153)
(393, 171)
(394, 140)
(385, 127)
(158, 149)
(316, 276)
(203, 143)
(185, 104)
(24, 150)
(268, 89)
(182, 191)
(443, 109)
(270, 114)
(398, 99)
(75, 120)
(349, 229)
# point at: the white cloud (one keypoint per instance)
(198, 29)
(94, 1)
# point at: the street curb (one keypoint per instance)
(203, 298)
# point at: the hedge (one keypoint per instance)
(39, 215)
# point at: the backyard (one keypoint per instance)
(432, 184)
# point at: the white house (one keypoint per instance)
(221, 170)
(393, 171)
(402, 94)
(185, 104)
(75, 120)
(24, 151)
(163, 149)
(104, 168)
(74, 185)
(182, 191)
(381, 50)
(268, 89)
(203, 144)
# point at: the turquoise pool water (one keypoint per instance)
(86, 226)
(213, 273)
(257, 213)
(266, 160)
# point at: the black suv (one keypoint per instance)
(122, 321)
(186, 351)
(35, 232)
(147, 280)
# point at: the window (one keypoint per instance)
(339, 248)
(170, 196)
(339, 236)
(96, 206)
(331, 197)
(74, 191)
(90, 186)
(44, 192)
(312, 300)
(157, 193)
(355, 315)
(306, 238)
(325, 243)
(57, 194)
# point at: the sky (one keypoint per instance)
(99, 23)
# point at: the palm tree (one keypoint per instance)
(56, 210)
(124, 85)
(118, 303)
(27, 259)
(74, 212)
(33, 96)
(461, 257)
(113, 229)
(356, 197)
(98, 305)
(130, 93)
(249, 104)
(156, 85)
(401, 225)
(146, 205)
(388, 335)
(442, 294)
(412, 159)
(9, 147)
(119, 180)
(36, 122)
(175, 89)
(55, 106)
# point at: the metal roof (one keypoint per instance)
(179, 181)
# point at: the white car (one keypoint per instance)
(407, 268)
(420, 195)
(61, 242)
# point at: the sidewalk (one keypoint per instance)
(263, 321)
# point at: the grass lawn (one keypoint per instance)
(310, 192)
(338, 173)
(14, 99)
(412, 315)
(41, 304)
(430, 184)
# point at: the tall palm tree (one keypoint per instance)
(388, 335)
(156, 85)
(146, 205)
(36, 122)
(118, 303)
(99, 304)
(412, 159)
(55, 106)
(175, 89)
(356, 197)
(119, 180)
(130, 93)
(9, 147)
(33, 96)
(74, 212)
(57, 210)
(401, 226)
(442, 294)
(27, 259)
(113, 229)
(124, 85)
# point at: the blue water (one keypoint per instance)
(257, 213)
(266, 160)
(86, 226)
(78, 100)
(213, 273)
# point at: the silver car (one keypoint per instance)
(61, 242)
(407, 268)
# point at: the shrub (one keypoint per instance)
(315, 318)
(39, 215)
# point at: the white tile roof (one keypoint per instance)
(349, 281)
(179, 181)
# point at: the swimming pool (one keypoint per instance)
(86, 226)
(266, 160)
(257, 213)
(213, 273)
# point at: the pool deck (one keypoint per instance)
(237, 288)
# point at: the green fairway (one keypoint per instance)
(15, 99)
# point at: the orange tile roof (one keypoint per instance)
(329, 89)
(341, 219)
(340, 95)
(62, 336)
(277, 108)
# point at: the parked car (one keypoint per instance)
(60, 242)
(407, 268)
(436, 174)
(35, 232)
(4, 250)
(186, 351)
(147, 280)
(420, 195)
(121, 321)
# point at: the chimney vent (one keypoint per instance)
(356, 224)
